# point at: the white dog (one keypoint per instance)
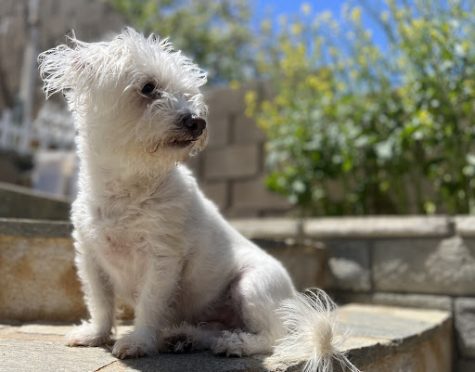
(144, 231)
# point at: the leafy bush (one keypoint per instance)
(354, 129)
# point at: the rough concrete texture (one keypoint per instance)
(38, 279)
(418, 301)
(34, 228)
(248, 195)
(445, 266)
(269, 228)
(382, 339)
(21, 202)
(465, 326)
(377, 227)
(233, 161)
(465, 226)
(465, 366)
(348, 265)
(390, 339)
(305, 263)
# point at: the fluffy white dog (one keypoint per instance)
(144, 231)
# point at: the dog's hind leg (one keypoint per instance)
(188, 338)
(256, 295)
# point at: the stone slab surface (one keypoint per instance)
(268, 228)
(233, 161)
(252, 194)
(377, 227)
(349, 265)
(21, 202)
(305, 263)
(420, 301)
(465, 326)
(380, 339)
(436, 266)
(34, 228)
(465, 366)
(465, 225)
(38, 279)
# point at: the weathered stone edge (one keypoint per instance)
(35, 228)
(33, 193)
(465, 225)
(363, 355)
(283, 228)
(378, 227)
(347, 227)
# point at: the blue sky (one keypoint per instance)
(289, 6)
(275, 8)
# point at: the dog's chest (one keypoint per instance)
(125, 231)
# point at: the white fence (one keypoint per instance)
(53, 128)
(13, 136)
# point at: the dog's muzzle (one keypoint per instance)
(193, 124)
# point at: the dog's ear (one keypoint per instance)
(63, 68)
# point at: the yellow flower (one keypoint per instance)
(266, 25)
(313, 82)
(356, 14)
(305, 8)
(250, 98)
(296, 29)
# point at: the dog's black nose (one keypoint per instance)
(194, 124)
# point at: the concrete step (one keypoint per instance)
(22, 202)
(39, 283)
(381, 339)
(39, 278)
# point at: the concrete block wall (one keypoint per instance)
(413, 261)
(231, 169)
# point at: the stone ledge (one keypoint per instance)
(465, 225)
(377, 227)
(381, 339)
(22, 202)
(34, 228)
(267, 228)
(39, 279)
(284, 228)
(412, 300)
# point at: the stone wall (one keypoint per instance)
(426, 262)
(417, 262)
(231, 169)
(90, 19)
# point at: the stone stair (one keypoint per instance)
(381, 339)
(39, 284)
(40, 297)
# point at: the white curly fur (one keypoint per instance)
(143, 230)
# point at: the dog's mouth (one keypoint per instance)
(179, 143)
(174, 143)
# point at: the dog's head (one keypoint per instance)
(132, 96)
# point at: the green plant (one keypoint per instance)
(215, 33)
(353, 129)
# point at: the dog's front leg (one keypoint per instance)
(160, 282)
(99, 298)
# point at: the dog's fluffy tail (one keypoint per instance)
(309, 320)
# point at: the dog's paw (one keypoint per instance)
(229, 344)
(87, 334)
(135, 345)
(180, 343)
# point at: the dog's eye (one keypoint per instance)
(148, 89)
